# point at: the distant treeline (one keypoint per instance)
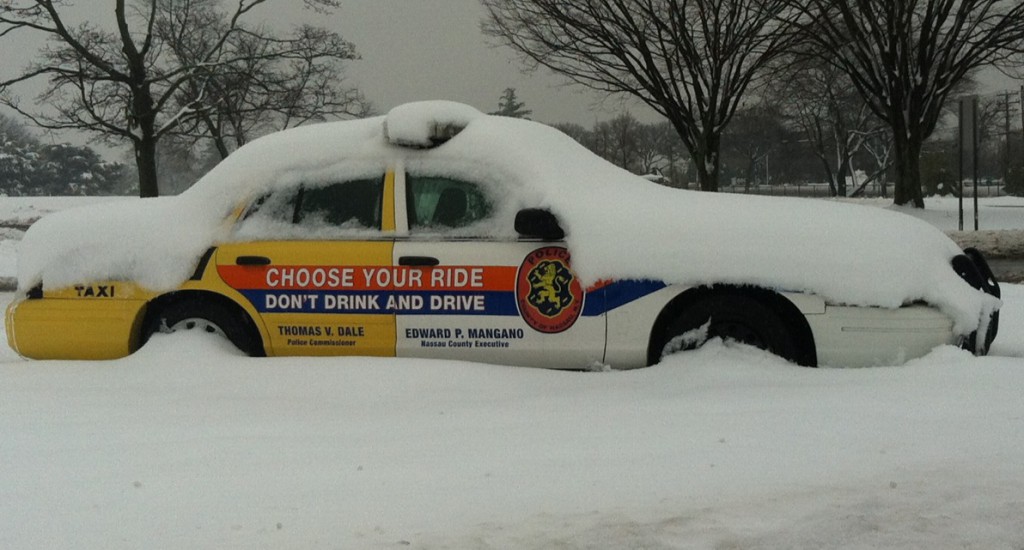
(30, 167)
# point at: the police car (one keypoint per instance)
(433, 232)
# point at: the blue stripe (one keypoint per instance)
(494, 303)
(618, 294)
(377, 302)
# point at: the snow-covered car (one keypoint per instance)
(437, 231)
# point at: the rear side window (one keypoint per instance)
(353, 204)
(351, 208)
(439, 204)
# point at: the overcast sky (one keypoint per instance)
(433, 49)
(418, 49)
(411, 50)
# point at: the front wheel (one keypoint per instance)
(731, 316)
(209, 317)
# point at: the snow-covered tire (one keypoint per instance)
(210, 317)
(731, 316)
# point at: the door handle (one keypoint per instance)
(418, 261)
(252, 260)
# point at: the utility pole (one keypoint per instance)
(974, 162)
(968, 152)
(1006, 138)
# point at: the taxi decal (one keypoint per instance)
(443, 290)
(548, 293)
(543, 290)
(97, 291)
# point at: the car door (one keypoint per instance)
(315, 261)
(479, 293)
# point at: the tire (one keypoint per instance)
(731, 316)
(210, 317)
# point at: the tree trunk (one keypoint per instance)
(707, 164)
(707, 176)
(840, 174)
(908, 171)
(829, 174)
(751, 173)
(145, 144)
(145, 161)
(216, 135)
(703, 151)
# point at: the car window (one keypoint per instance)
(353, 204)
(444, 205)
(338, 209)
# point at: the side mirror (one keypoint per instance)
(537, 223)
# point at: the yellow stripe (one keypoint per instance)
(388, 206)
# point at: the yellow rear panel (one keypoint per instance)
(55, 328)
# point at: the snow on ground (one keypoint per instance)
(188, 445)
(9, 239)
(993, 213)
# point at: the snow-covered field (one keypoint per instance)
(188, 445)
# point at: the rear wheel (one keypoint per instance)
(731, 316)
(208, 317)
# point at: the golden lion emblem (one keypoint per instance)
(549, 287)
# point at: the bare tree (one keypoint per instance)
(573, 130)
(756, 131)
(644, 149)
(689, 60)
(122, 85)
(835, 122)
(623, 137)
(673, 161)
(265, 84)
(879, 146)
(907, 57)
(13, 130)
(651, 149)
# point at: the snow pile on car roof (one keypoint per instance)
(427, 123)
(618, 225)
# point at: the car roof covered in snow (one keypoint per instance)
(618, 225)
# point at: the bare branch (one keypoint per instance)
(907, 59)
(174, 66)
(689, 60)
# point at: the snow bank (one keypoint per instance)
(618, 225)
